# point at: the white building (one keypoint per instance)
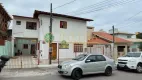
(28, 35)
(120, 34)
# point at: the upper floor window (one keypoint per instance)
(18, 22)
(31, 25)
(63, 24)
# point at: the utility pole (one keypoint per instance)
(113, 43)
(50, 31)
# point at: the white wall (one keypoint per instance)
(19, 45)
(89, 33)
(76, 32)
(21, 31)
(122, 36)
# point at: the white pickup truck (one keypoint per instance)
(132, 60)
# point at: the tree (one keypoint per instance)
(139, 35)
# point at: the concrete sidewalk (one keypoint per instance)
(28, 72)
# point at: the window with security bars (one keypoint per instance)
(63, 24)
(78, 47)
(31, 25)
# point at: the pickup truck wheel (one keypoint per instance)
(139, 68)
(76, 74)
(108, 71)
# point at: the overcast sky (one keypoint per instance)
(114, 12)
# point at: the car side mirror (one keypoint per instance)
(87, 61)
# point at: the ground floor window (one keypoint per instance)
(78, 47)
(25, 46)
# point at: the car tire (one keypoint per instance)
(108, 71)
(76, 74)
(139, 68)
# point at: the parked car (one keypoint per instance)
(87, 64)
(132, 60)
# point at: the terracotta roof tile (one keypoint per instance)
(97, 41)
(110, 37)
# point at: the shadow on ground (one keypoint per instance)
(87, 76)
(129, 71)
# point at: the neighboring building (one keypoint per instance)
(121, 34)
(106, 40)
(29, 35)
(130, 37)
(4, 25)
(89, 32)
(135, 44)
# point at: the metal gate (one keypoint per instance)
(100, 49)
(22, 62)
(25, 54)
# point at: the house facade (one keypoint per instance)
(104, 39)
(135, 44)
(24, 34)
(28, 31)
(130, 37)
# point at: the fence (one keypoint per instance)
(6, 50)
(22, 62)
(100, 49)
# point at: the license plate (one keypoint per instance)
(121, 65)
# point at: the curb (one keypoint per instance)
(48, 66)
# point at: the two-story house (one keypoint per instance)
(29, 35)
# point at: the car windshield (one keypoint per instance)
(80, 57)
(133, 55)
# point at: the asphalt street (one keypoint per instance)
(117, 75)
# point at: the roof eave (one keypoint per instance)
(37, 13)
(23, 17)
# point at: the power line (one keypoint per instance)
(90, 6)
(106, 6)
(64, 4)
(130, 24)
(131, 17)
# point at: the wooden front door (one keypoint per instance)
(54, 52)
